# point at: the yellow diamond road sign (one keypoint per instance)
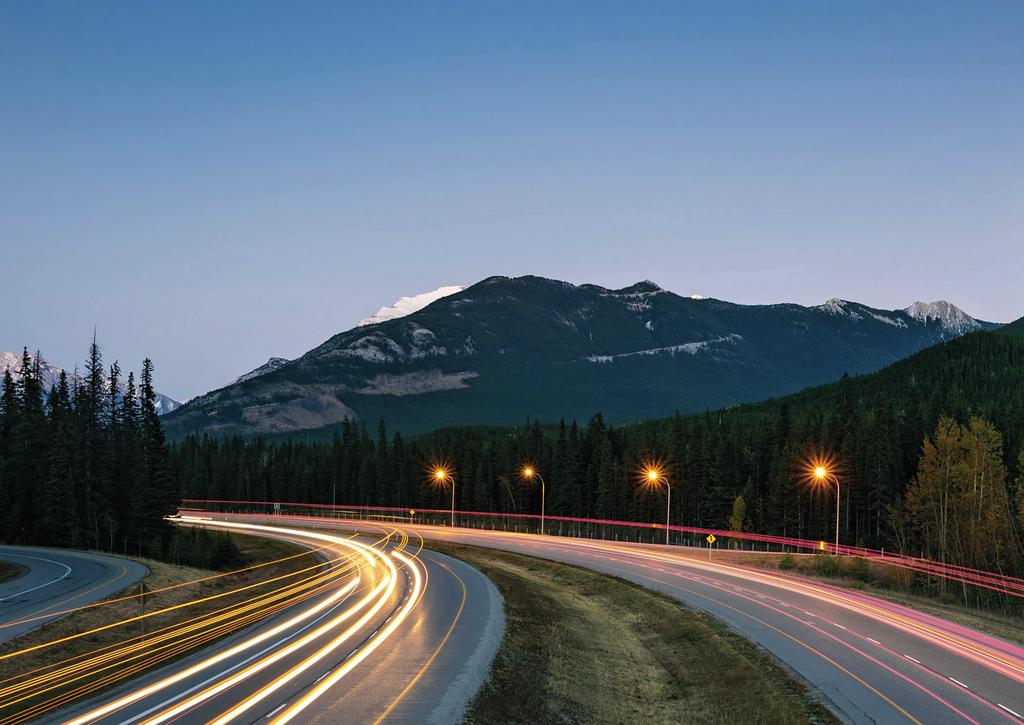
(711, 538)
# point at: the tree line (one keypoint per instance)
(84, 464)
(744, 468)
(928, 453)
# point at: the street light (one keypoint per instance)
(654, 477)
(441, 476)
(529, 473)
(821, 473)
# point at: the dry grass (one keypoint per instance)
(8, 571)
(254, 549)
(583, 647)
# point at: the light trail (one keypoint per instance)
(994, 581)
(339, 627)
(306, 700)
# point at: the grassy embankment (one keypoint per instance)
(583, 647)
(8, 571)
(254, 550)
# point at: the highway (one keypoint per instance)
(870, 660)
(56, 580)
(387, 630)
(380, 630)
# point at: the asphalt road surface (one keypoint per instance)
(56, 580)
(394, 633)
(871, 660)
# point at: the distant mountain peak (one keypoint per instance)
(947, 315)
(836, 306)
(268, 367)
(50, 375)
(407, 305)
(643, 287)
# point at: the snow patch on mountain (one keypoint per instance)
(50, 375)
(838, 307)
(894, 321)
(949, 317)
(407, 305)
(690, 348)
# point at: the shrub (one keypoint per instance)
(860, 569)
(826, 565)
(787, 562)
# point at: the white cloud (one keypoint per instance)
(407, 305)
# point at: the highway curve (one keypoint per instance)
(56, 580)
(870, 660)
(389, 631)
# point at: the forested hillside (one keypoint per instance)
(1014, 328)
(966, 397)
(84, 464)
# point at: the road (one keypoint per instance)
(871, 660)
(56, 580)
(389, 631)
(406, 635)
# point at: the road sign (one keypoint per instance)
(277, 508)
(412, 512)
(821, 546)
(711, 538)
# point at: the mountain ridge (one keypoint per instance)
(509, 347)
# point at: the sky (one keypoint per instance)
(211, 184)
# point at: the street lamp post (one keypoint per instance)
(442, 476)
(654, 477)
(529, 473)
(823, 474)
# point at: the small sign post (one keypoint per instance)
(711, 540)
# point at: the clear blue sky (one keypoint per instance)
(212, 183)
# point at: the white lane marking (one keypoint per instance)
(959, 683)
(276, 710)
(809, 614)
(1015, 714)
(839, 625)
(912, 659)
(52, 581)
(869, 639)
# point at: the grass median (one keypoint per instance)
(8, 571)
(583, 647)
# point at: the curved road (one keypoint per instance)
(871, 660)
(57, 580)
(407, 635)
(389, 631)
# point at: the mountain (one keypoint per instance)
(1014, 328)
(50, 375)
(507, 348)
(268, 367)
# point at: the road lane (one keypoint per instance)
(871, 660)
(56, 580)
(404, 635)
